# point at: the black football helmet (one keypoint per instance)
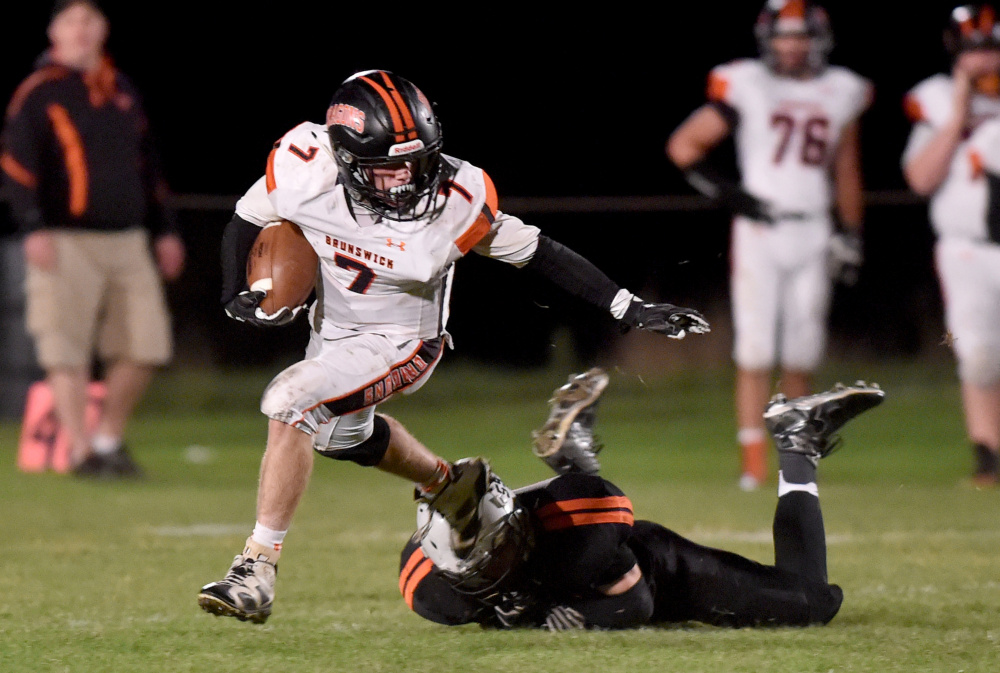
(795, 17)
(972, 27)
(378, 119)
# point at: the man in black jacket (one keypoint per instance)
(84, 188)
(568, 552)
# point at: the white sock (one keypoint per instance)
(105, 445)
(787, 487)
(266, 537)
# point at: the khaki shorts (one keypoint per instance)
(106, 293)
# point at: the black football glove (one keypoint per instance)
(668, 319)
(514, 609)
(245, 307)
(727, 194)
(845, 256)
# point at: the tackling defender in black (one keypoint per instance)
(568, 553)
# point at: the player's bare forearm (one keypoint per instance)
(848, 180)
(926, 171)
(697, 136)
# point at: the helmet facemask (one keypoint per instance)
(378, 120)
(414, 200)
(807, 20)
(496, 559)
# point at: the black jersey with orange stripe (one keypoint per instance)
(582, 526)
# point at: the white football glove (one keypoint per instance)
(845, 256)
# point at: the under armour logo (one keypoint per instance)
(401, 245)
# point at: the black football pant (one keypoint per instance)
(691, 582)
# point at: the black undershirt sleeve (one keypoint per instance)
(572, 273)
(237, 239)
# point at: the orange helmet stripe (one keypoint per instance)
(407, 117)
(793, 9)
(987, 17)
(390, 104)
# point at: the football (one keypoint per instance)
(283, 264)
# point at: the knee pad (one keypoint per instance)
(368, 453)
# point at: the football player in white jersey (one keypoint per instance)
(944, 160)
(798, 207)
(388, 215)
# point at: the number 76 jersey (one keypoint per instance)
(787, 130)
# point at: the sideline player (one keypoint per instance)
(568, 553)
(939, 162)
(389, 215)
(795, 120)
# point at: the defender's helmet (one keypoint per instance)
(972, 27)
(782, 17)
(378, 119)
(502, 545)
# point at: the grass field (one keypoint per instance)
(103, 576)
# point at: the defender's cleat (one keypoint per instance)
(246, 592)
(807, 424)
(458, 500)
(566, 440)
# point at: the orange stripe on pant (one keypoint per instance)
(74, 156)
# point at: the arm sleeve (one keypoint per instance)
(572, 273)
(25, 135)
(237, 239)
(161, 219)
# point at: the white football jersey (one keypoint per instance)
(958, 207)
(379, 275)
(788, 129)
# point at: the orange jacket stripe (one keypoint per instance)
(407, 117)
(74, 156)
(39, 77)
(588, 519)
(269, 172)
(567, 506)
(390, 104)
(17, 172)
(718, 87)
(415, 558)
(422, 571)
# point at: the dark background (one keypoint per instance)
(550, 105)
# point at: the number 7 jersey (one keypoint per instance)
(787, 130)
(378, 275)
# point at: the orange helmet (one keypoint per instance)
(972, 27)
